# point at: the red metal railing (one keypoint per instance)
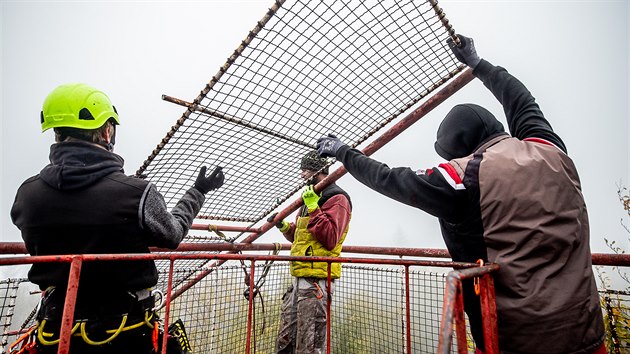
(454, 309)
(452, 314)
(76, 262)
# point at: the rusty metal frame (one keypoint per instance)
(453, 311)
(452, 315)
(77, 261)
(601, 259)
(434, 101)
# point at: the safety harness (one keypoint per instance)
(37, 334)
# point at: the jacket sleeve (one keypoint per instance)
(432, 190)
(167, 229)
(328, 223)
(524, 117)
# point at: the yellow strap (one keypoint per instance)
(41, 334)
(147, 319)
(91, 342)
(215, 229)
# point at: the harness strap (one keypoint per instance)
(41, 334)
(105, 341)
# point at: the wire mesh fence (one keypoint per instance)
(368, 310)
(307, 69)
(8, 295)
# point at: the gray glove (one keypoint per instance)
(466, 52)
(206, 184)
(327, 146)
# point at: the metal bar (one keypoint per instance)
(69, 304)
(244, 44)
(489, 315)
(460, 322)
(238, 121)
(407, 310)
(442, 16)
(606, 259)
(238, 247)
(467, 270)
(250, 307)
(471, 272)
(446, 324)
(167, 310)
(328, 307)
(452, 296)
(213, 228)
(609, 259)
(19, 248)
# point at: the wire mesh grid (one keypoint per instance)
(616, 307)
(368, 310)
(308, 69)
(8, 295)
(185, 268)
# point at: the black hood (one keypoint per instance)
(465, 128)
(78, 164)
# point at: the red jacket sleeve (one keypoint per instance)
(329, 222)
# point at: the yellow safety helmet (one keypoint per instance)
(77, 105)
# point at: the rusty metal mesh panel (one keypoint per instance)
(616, 307)
(8, 292)
(308, 68)
(8, 295)
(368, 310)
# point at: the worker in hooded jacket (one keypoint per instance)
(83, 203)
(514, 200)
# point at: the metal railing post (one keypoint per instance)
(68, 308)
(489, 314)
(167, 309)
(328, 308)
(407, 310)
(250, 307)
(460, 321)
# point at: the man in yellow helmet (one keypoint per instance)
(83, 203)
(319, 230)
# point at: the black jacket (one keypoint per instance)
(82, 203)
(491, 205)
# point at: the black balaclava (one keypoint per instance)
(464, 129)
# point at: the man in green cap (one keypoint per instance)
(83, 203)
(319, 230)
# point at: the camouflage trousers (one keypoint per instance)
(303, 319)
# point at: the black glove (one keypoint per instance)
(273, 216)
(327, 146)
(281, 224)
(466, 52)
(206, 184)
